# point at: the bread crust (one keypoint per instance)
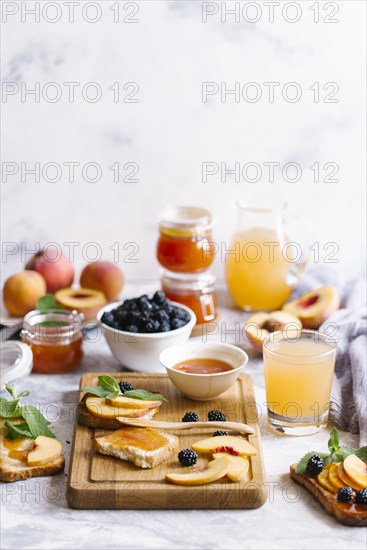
(9, 475)
(346, 513)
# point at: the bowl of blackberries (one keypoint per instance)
(138, 329)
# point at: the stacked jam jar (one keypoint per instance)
(185, 251)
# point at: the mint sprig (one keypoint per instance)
(337, 452)
(109, 388)
(34, 424)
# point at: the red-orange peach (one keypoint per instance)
(105, 277)
(21, 292)
(58, 273)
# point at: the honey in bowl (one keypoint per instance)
(203, 366)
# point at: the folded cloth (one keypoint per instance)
(348, 410)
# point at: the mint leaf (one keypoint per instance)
(302, 464)
(144, 395)
(362, 452)
(37, 423)
(23, 393)
(11, 390)
(47, 302)
(9, 409)
(96, 390)
(109, 384)
(333, 442)
(17, 430)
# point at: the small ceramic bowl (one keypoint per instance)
(203, 387)
(140, 351)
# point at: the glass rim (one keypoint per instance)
(333, 345)
(277, 205)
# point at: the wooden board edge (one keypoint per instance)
(327, 500)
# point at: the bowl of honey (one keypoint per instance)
(203, 371)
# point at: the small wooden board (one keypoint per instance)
(97, 481)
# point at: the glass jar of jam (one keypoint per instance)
(194, 291)
(56, 338)
(185, 243)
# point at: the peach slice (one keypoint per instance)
(313, 308)
(356, 469)
(259, 325)
(215, 469)
(323, 479)
(129, 403)
(334, 478)
(345, 479)
(98, 407)
(239, 466)
(85, 300)
(225, 444)
(45, 450)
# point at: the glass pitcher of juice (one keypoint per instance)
(262, 262)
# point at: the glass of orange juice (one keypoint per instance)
(299, 367)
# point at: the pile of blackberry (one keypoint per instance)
(147, 315)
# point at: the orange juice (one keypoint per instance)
(259, 272)
(298, 379)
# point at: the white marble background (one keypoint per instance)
(169, 52)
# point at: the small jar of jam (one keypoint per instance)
(185, 243)
(194, 291)
(56, 338)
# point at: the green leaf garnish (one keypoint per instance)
(18, 430)
(47, 302)
(337, 452)
(109, 388)
(37, 423)
(34, 424)
(144, 395)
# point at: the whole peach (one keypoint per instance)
(105, 277)
(58, 273)
(21, 292)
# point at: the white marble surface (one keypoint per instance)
(35, 514)
(170, 132)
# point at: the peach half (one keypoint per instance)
(84, 300)
(261, 324)
(314, 307)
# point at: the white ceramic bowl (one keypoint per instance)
(203, 387)
(140, 351)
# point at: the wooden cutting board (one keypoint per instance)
(97, 481)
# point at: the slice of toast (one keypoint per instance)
(86, 418)
(347, 513)
(13, 459)
(144, 447)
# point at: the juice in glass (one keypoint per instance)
(298, 378)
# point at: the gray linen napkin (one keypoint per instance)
(348, 409)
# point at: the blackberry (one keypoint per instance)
(345, 494)
(177, 323)
(131, 328)
(219, 432)
(108, 318)
(188, 457)
(361, 497)
(314, 466)
(190, 417)
(152, 326)
(216, 416)
(125, 386)
(165, 326)
(159, 298)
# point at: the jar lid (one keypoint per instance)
(16, 361)
(186, 282)
(186, 219)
